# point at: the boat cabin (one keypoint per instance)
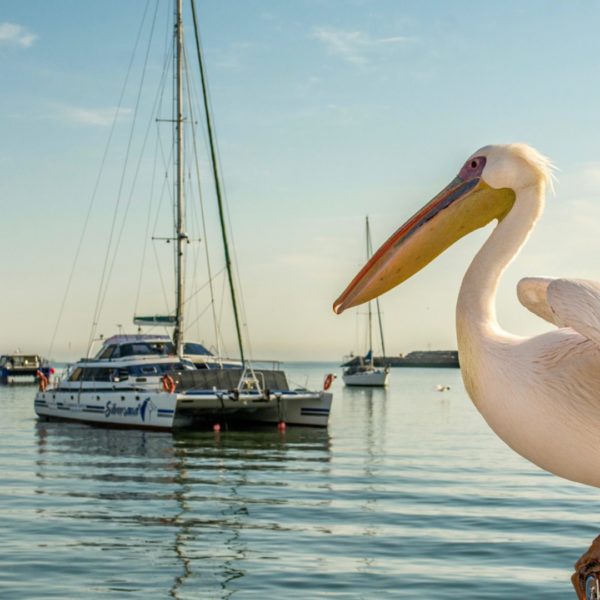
(129, 346)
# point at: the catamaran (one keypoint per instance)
(23, 368)
(362, 370)
(163, 382)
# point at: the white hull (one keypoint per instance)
(152, 409)
(369, 378)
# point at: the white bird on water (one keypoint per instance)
(541, 394)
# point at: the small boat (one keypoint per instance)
(23, 368)
(158, 382)
(364, 372)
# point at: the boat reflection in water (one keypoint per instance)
(203, 508)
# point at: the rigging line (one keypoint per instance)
(381, 331)
(162, 281)
(191, 215)
(165, 191)
(222, 310)
(217, 181)
(99, 301)
(369, 304)
(147, 232)
(370, 252)
(202, 212)
(235, 261)
(238, 276)
(97, 182)
(200, 315)
(207, 283)
(152, 191)
(135, 176)
(196, 248)
(166, 186)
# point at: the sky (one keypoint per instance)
(326, 111)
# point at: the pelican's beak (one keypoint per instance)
(458, 209)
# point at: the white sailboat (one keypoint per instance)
(149, 381)
(363, 372)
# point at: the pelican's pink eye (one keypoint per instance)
(472, 168)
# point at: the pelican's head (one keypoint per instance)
(484, 189)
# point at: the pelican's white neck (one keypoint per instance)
(476, 306)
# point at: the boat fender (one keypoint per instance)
(42, 381)
(328, 381)
(168, 384)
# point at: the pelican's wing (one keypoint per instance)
(533, 295)
(576, 304)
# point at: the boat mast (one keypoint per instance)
(368, 237)
(213, 158)
(179, 188)
(369, 253)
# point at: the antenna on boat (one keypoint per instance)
(213, 159)
(181, 235)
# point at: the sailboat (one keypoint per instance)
(364, 372)
(148, 380)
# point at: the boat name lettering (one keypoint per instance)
(113, 410)
(146, 408)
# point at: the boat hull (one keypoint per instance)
(375, 378)
(201, 410)
(22, 375)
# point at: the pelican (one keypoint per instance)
(540, 394)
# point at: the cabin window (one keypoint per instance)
(96, 374)
(25, 361)
(197, 349)
(76, 374)
(108, 352)
(147, 348)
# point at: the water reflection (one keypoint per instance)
(206, 493)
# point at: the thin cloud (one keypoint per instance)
(100, 117)
(236, 56)
(12, 34)
(354, 46)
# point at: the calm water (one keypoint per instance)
(408, 495)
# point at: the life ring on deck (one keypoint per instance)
(42, 381)
(328, 381)
(168, 384)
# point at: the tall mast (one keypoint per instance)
(179, 188)
(215, 169)
(368, 237)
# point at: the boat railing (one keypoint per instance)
(251, 380)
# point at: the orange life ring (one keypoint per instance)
(168, 384)
(42, 381)
(328, 381)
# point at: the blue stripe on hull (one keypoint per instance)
(318, 412)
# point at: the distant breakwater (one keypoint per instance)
(418, 358)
